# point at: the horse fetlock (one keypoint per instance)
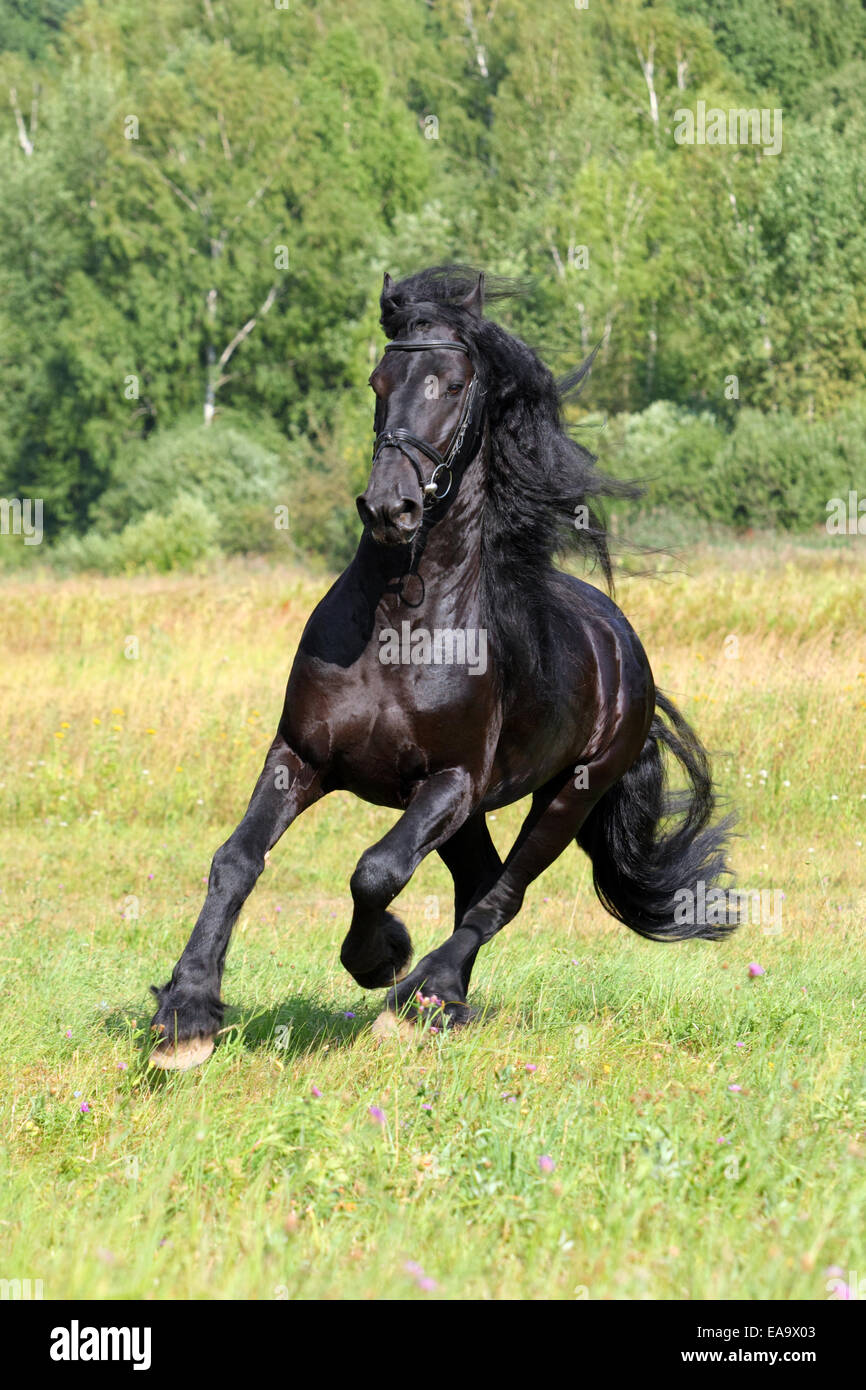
(376, 960)
(433, 993)
(185, 1014)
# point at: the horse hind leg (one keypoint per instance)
(475, 865)
(558, 811)
(473, 862)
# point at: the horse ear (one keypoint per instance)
(474, 301)
(387, 285)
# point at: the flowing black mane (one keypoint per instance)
(542, 484)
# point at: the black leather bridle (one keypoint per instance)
(463, 440)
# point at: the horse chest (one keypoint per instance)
(376, 727)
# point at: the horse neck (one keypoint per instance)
(452, 547)
(444, 568)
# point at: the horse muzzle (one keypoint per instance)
(390, 523)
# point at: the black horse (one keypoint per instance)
(452, 669)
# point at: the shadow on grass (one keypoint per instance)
(300, 1024)
(303, 1024)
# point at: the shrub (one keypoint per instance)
(673, 454)
(223, 465)
(771, 471)
(159, 540)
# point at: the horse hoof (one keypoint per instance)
(184, 1056)
(388, 1025)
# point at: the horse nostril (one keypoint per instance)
(364, 510)
(408, 513)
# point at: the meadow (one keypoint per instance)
(626, 1120)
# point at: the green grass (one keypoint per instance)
(121, 776)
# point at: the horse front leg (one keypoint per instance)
(378, 949)
(190, 1010)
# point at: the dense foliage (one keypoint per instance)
(199, 199)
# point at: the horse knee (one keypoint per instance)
(234, 869)
(375, 880)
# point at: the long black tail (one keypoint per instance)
(658, 878)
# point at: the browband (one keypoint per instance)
(431, 343)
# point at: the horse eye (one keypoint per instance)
(455, 388)
(422, 323)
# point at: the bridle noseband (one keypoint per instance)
(467, 425)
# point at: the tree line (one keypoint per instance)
(199, 200)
